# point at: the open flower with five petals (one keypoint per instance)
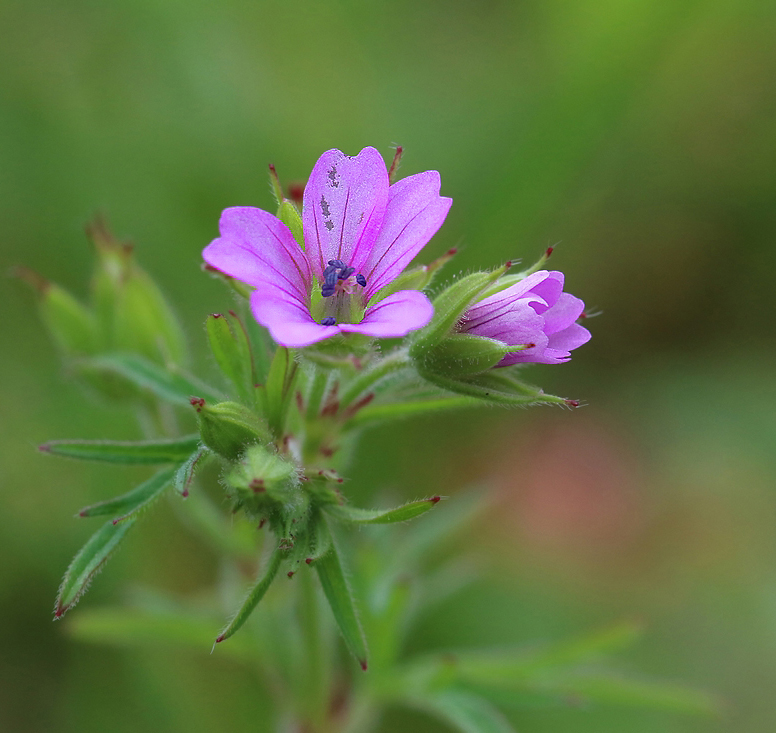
(360, 233)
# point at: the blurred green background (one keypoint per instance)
(641, 134)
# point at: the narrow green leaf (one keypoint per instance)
(253, 598)
(89, 560)
(114, 451)
(232, 351)
(466, 712)
(278, 388)
(373, 414)
(613, 689)
(136, 628)
(337, 592)
(185, 473)
(140, 497)
(320, 539)
(381, 516)
(517, 665)
(172, 386)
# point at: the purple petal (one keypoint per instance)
(565, 312)
(287, 317)
(503, 301)
(395, 316)
(569, 338)
(414, 214)
(547, 356)
(549, 289)
(344, 204)
(255, 247)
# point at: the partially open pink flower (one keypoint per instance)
(535, 311)
(359, 234)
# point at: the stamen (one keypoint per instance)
(339, 264)
(361, 280)
(346, 272)
(328, 321)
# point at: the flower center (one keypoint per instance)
(339, 285)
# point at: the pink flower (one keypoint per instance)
(535, 311)
(359, 234)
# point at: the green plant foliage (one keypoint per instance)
(124, 452)
(340, 598)
(129, 504)
(403, 513)
(88, 562)
(170, 385)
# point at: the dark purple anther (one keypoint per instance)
(346, 272)
(361, 280)
(328, 321)
(339, 264)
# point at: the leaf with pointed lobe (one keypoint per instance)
(254, 596)
(125, 452)
(338, 594)
(171, 385)
(381, 516)
(88, 562)
(141, 497)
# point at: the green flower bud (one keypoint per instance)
(232, 351)
(460, 355)
(449, 306)
(268, 486)
(289, 215)
(71, 324)
(227, 428)
(132, 313)
(261, 471)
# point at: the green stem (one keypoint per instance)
(392, 363)
(315, 689)
(315, 393)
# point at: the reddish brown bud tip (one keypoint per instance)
(216, 315)
(83, 513)
(44, 448)
(262, 523)
(198, 403)
(220, 639)
(32, 278)
(549, 251)
(308, 560)
(508, 264)
(115, 522)
(296, 192)
(290, 573)
(340, 480)
(572, 403)
(185, 493)
(435, 499)
(453, 251)
(363, 664)
(59, 612)
(272, 169)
